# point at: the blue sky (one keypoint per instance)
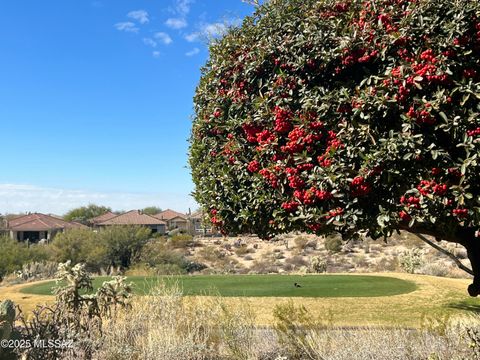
(96, 100)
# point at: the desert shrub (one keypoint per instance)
(312, 244)
(300, 242)
(181, 241)
(37, 270)
(385, 263)
(460, 252)
(242, 250)
(80, 246)
(211, 254)
(411, 260)
(265, 265)
(111, 246)
(297, 261)
(318, 264)
(360, 261)
(140, 269)
(435, 269)
(333, 244)
(158, 255)
(14, 254)
(123, 243)
(294, 327)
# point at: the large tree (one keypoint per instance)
(85, 213)
(354, 117)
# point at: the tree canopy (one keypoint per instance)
(85, 213)
(152, 210)
(353, 117)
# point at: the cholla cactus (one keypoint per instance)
(70, 281)
(411, 260)
(113, 294)
(318, 265)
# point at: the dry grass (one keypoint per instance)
(169, 326)
(27, 302)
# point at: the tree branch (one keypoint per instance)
(446, 252)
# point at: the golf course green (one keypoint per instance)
(260, 285)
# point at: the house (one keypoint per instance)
(136, 217)
(198, 226)
(99, 219)
(35, 227)
(174, 220)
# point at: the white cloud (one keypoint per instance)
(176, 23)
(15, 198)
(163, 38)
(192, 37)
(126, 26)
(193, 52)
(214, 29)
(182, 7)
(140, 15)
(156, 54)
(149, 42)
(208, 31)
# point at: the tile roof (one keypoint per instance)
(169, 214)
(133, 217)
(101, 218)
(196, 215)
(39, 222)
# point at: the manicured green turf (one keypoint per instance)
(263, 285)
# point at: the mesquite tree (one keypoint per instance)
(354, 117)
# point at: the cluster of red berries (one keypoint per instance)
(265, 137)
(333, 213)
(251, 132)
(282, 120)
(427, 187)
(296, 182)
(410, 201)
(404, 216)
(270, 177)
(290, 206)
(474, 132)
(421, 117)
(460, 213)
(310, 196)
(359, 187)
(253, 166)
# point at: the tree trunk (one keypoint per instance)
(473, 251)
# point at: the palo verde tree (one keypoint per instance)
(357, 117)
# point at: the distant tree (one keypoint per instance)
(356, 117)
(151, 210)
(123, 243)
(80, 246)
(85, 213)
(109, 246)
